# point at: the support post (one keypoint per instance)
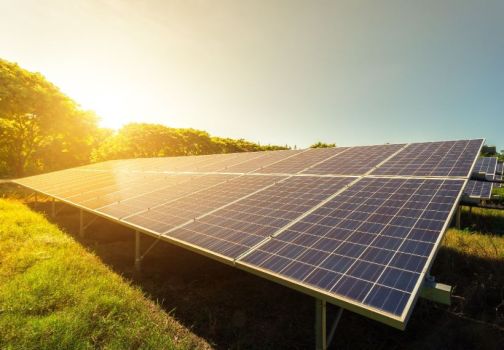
(320, 325)
(53, 208)
(334, 326)
(437, 292)
(81, 222)
(138, 258)
(458, 217)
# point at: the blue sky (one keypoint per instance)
(284, 72)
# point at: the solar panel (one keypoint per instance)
(499, 178)
(447, 158)
(132, 200)
(356, 226)
(369, 245)
(236, 228)
(165, 217)
(354, 160)
(499, 169)
(486, 166)
(267, 159)
(478, 189)
(301, 161)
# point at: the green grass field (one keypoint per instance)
(56, 295)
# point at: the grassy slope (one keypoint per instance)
(56, 295)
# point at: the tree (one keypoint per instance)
(40, 127)
(320, 144)
(137, 140)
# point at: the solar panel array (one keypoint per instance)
(486, 166)
(356, 226)
(478, 189)
(489, 169)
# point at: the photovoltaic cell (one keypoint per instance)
(370, 244)
(267, 159)
(301, 161)
(478, 189)
(236, 228)
(447, 158)
(165, 217)
(354, 160)
(123, 204)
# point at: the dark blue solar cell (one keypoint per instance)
(366, 271)
(423, 235)
(408, 262)
(323, 279)
(352, 288)
(327, 245)
(415, 247)
(387, 299)
(350, 249)
(362, 238)
(396, 231)
(297, 270)
(275, 263)
(386, 242)
(398, 279)
(376, 255)
(337, 263)
(313, 257)
(433, 225)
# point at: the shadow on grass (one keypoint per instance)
(236, 310)
(485, 221)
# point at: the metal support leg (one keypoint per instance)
(81, 222)
(138, 258)
(320, 325)
(457, 223)
(334, 326)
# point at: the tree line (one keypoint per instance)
(42, 129)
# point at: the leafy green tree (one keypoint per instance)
(320, 144)
(137, 140)
(40, 128)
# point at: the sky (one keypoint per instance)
(281, 72)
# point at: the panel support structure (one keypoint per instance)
(82, 225)
(53, 207)
(320, 325)
(457, 219)
(81, 222)
(334, 326)
(437, 292)
(138, 258)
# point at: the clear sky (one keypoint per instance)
(284, 72)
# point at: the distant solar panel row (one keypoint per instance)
(486, 166)
(499, 169)
(453, 158)
(498, 178)
(478, 189)
(351, 223)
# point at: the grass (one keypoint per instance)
(54, 294)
